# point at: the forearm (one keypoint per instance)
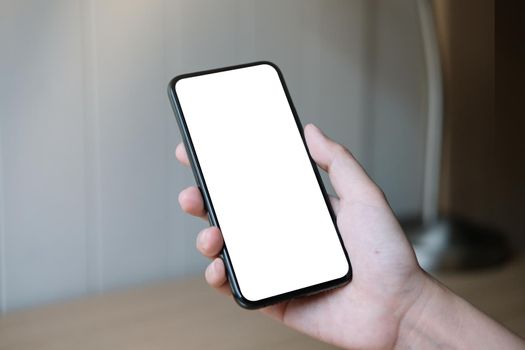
(439, 319)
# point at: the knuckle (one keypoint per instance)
(340, 149)
(342, 152)
(377, 193)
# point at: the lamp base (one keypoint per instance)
(456, 244)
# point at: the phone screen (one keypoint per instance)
(276, 225)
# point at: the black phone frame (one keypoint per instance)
(201, 183)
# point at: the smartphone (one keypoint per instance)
(260, 186)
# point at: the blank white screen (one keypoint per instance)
(275, 222)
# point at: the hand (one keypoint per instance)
(391, 302)
(387, 278)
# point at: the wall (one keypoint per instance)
(88, 180)
(396, 103)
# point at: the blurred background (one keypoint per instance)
(88, 177)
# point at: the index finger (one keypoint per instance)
(182, 156)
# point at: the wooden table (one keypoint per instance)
(188, 315)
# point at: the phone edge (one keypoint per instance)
(201, 184)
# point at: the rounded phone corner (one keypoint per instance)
(245, 303)
(274, 67)
(347, 277)
(173, 83)
(241, 300)
(269, 63)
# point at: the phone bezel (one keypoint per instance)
(201, 183)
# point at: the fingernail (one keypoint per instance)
(216, 264)
(211, 269)
(208, 271)
(202, 239)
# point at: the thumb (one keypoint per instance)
(348, 178)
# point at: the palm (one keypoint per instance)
(368, 307)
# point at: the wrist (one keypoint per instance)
(431, 319)
(439, 319)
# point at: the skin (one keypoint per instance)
(391, 302)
